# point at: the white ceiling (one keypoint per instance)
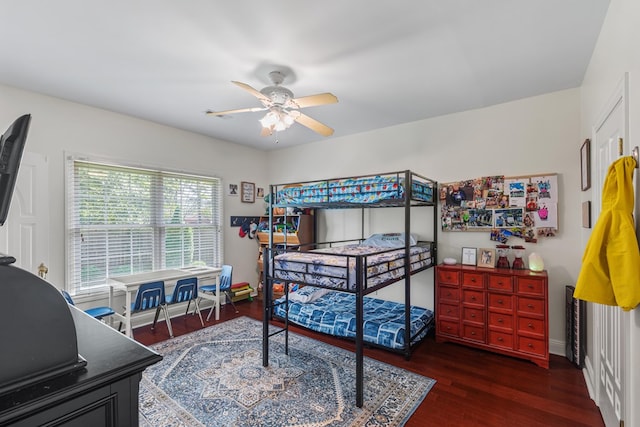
(387, 61)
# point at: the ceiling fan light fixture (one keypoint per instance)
(276, 119)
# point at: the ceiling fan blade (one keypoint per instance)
(313, 100)
(240, 110)
(312, 124)
(253, 91)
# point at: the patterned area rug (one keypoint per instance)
(215, 377)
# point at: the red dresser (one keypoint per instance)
(500, 310)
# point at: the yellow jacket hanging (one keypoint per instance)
(610, 272)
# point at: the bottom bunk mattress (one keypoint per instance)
(333, 313)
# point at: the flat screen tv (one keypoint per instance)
(11, 147)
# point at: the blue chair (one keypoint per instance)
(151, 296)
(96, 312)
(209, 291)
(186, 290)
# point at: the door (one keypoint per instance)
(25, 234)
(609, 145)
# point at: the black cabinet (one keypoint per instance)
(103, 393)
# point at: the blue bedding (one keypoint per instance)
(334, 313)
(371, 189)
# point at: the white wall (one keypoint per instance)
(531, 136)
(59, 126)
(617, 52)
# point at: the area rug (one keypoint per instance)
(215, 377)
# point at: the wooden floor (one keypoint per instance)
(474, 387)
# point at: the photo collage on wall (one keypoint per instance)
(525, 207)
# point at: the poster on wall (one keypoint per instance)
(524, 206)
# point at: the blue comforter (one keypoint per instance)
(334, 314)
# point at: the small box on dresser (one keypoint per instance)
(500, 310)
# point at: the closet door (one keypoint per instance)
(609, 321)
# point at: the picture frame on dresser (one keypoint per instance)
(469, 256)
(487, 258)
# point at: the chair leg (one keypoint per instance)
(155, 319)
(231, 301)
(197, 310)
(189, 305)
(167, 320)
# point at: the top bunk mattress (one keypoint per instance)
(335, 267)
(372, 189)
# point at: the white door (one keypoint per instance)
(25, 234)
(609, 145)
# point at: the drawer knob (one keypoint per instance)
(530, 305)
(448, 294)
(530, 345)
(500, 282)
(500, 320)
(473, 332)
(473, 315)
(448, 311)
(473, 298)
(530, 286)
(530, 325)
(500, 301)
(500, 339)
(473, 280)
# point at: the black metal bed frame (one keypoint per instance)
(361, 288)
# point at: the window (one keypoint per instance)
(123, 220)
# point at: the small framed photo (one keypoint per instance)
(260, 192)
(487, 258)
(248, 192)
(585, 164)
(232, 190)
(469, 256)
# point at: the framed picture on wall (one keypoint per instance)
(585, 164)
(248, 192)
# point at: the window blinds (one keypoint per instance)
(124, 220)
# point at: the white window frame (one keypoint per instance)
(72, 284)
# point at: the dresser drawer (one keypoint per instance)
(532, 326)
(472, 280)
(531, 286)
(531, 306)
(451, 311)
(447, 293)
(501, 339)
(500, 283)
(473, 297)
(501, 301)
(472, 332)
(499, 320)
(473, 315)
(533, 346)
(448, 328)
(450, 277)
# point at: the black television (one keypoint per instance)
(11, 147)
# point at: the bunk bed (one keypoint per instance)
(335, 278)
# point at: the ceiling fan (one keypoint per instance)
(282, 107)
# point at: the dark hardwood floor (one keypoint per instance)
(474, 387)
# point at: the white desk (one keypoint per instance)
(130, 284)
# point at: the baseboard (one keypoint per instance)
(558, 347)
(589, 378)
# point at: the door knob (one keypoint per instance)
(43, 270)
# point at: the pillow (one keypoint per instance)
(308, 294)
(389, 240)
